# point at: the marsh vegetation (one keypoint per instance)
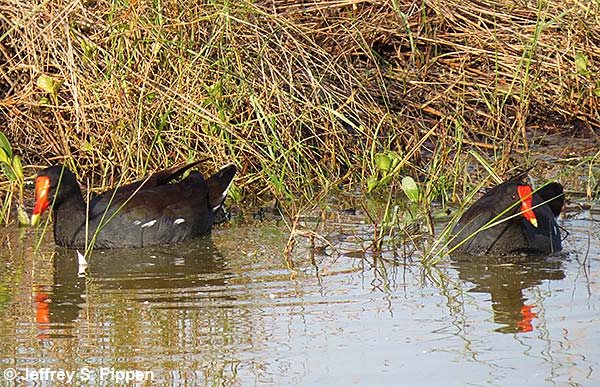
(306, 98)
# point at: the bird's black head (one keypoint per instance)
(52, 186)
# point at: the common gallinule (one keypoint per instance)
(511, 219)
(148, 212)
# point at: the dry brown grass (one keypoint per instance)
(298, 94)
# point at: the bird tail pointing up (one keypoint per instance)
(218, 185)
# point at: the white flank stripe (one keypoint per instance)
(149, 224)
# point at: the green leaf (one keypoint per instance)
(18, 167)
(410, 188)
(581, 63)
(87, 146)
(372, 183)
(5, 145)
(442, 213)
(395, 157)
(383, 162)
(88, 49)
(46, 83)
(8, 172)
(49, 84)
(3, 156)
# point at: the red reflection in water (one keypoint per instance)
(528, 316)
(42, 314)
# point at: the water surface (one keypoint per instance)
(232, 310)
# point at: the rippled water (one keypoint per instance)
(231, 310)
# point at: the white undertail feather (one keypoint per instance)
(224, 194)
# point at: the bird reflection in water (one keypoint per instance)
(505, 281)
(159, 276)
